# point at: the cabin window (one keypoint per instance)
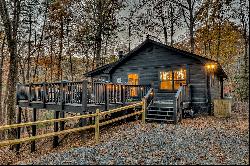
(172, 79)
(166, 80)
(179, 78)
(133, 79)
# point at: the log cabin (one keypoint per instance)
(171, 82)
(169, 71)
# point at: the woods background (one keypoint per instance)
(54, 40)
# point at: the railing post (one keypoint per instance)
(33, 143)
(44, 94)
(29, 97)
(144, 110)
(97, 132)
(123, 95)
(106, 97)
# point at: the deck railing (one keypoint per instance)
(182, 95)
(75, 92)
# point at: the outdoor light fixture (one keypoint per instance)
(210, 67)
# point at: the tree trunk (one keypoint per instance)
(70, 55)
(40, 42)
(59, 65)
(172, 25)
(11, 28)
(129, 37)
(29, 50)
(191, 32)
(98, 48)
(164, 30)
(1, 81)
(98, 36)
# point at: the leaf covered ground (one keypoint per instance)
(202, 140)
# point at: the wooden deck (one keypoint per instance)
(74, 107)
(79, 97)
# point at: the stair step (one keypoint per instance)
(166, 108)
(167, 120)
(164, 101)
(161, 111)
(159, 115)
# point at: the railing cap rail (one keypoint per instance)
(76, 82)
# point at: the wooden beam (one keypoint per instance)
(120, 118)
(120, 109)
(18, 141)
(45, 121)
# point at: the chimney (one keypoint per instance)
(120, 54)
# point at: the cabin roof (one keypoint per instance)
(108, 68)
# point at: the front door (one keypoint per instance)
(133, 79)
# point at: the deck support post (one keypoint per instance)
(56, 128)
(33, 143)
(18, 136)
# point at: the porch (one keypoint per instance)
(79, 97)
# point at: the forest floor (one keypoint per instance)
(202, 140)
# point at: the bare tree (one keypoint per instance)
(2, 57)
(11, 29)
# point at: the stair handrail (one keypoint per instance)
(149, 97)
(180, 96)
(150, 92)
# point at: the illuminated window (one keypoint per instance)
(172, 80)
(179, 78)
(133, 80)
(166, 80)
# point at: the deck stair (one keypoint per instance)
(162, 110)
(169, 107)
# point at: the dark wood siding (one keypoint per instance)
(215, 88)
(149, 62)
